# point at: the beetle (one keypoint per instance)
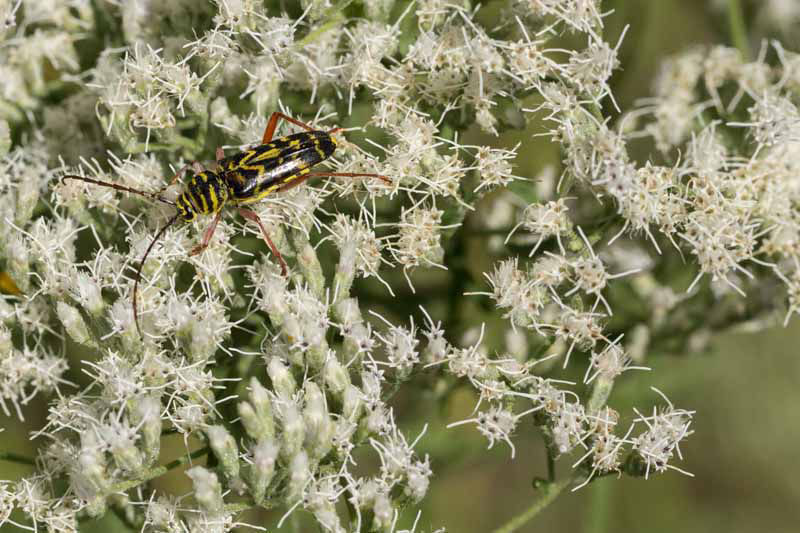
(247, 177)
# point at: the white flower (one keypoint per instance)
(657, 445)
(495, 424)
(419, 242)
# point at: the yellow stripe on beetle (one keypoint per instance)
(266, 156)
(214, 201)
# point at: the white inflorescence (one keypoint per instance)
(287, 380)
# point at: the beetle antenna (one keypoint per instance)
(146, 194)
(139, 273)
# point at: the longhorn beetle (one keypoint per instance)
(241, 179)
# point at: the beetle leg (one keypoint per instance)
(198, 168)
(273, 123)
(251, 215)
(298, 181)
(207, 235)
(179, 173)
(220, 155)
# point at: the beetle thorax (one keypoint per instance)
(205, 193)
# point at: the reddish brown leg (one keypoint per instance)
(220, 155)
(198, 168)
(273, 123)
(207, 235)
(298, 181)
(251, 215)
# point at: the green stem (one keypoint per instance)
(335, 16)
(320, 30)
(597, 519)
(549, 492)
(12, 457)
(737, 28)
(551, 466)
(238, 507)
(159, 471)
(184, 142)
(550, 450)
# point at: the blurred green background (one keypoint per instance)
(744, 389)
(744, 453)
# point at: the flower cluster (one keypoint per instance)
(429, 253)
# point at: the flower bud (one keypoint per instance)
(17, 261)
(256, 415)
(299, 476)
(27, 198)
(309, 263)
(6, 346)
(88, 476)
(293, 431)
(335, 375)
(86, 291)
(265, 453)
(207, 490)
(352, 403)
(318, 425)
(145, 412)
(225, 449)
(5, 138)
(283, 382)
(74, 324)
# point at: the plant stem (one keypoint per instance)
(12, 457)
(737, 28)
(549, 492)
(238, 507)
(334, 15)
(551, 466)
(159, 471)
(597, 519)
(550, 450)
